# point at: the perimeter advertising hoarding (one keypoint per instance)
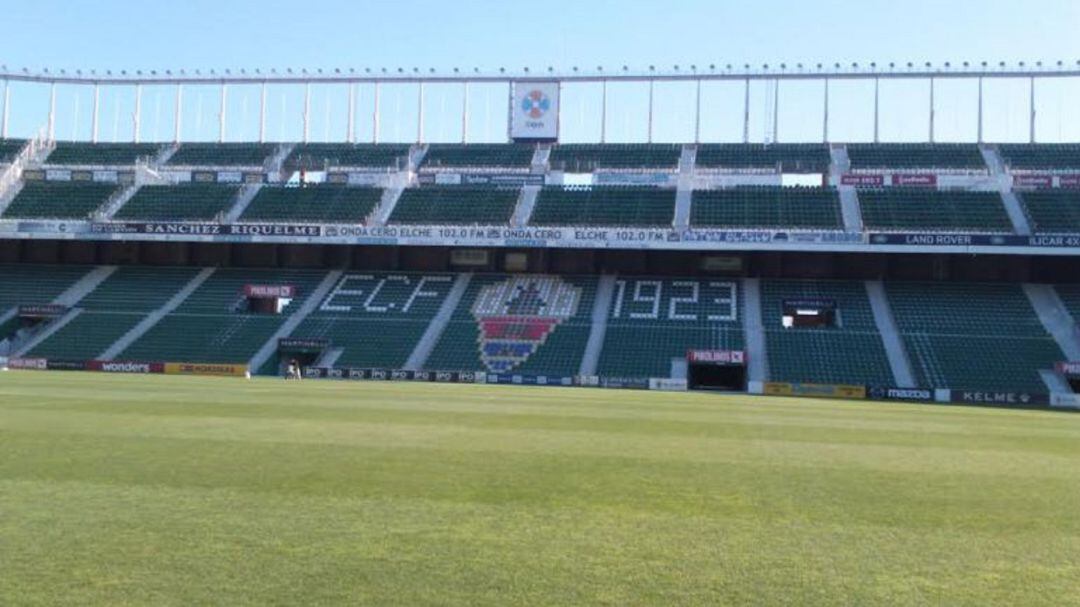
(534, 111)
(819, 390)
(209, 369)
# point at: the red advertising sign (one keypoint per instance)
(270, 291)
(868, 181)
(1033, 181)
(1071, 368)
(1069, 181)
(123, 366)
(717, 357)
(923, 180)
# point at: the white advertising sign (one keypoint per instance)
(535, 111)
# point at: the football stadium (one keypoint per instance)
(406, 336)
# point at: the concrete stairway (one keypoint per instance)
(1055, 318)
(329, 358)
(685, 188)
(154, 317)
(605, 290)
(275, 163)
(435, 328)
(757, 364)
(541, 159)
(84, 285)
(525, 205)
(416, 156)
(850, 209)
(899, 361)
(247, 193)
(1015, 210)
(290, 324)
(389, 200)
(841, 163)
(116, 202)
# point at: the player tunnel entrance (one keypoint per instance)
(720, 370)
(305, 352)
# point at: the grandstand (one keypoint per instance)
(327, 202)
(187, 202)
(435, 205)
(935, 210)
(767, 207)
(614, 206)
(58, 200)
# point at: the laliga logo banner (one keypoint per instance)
(535, 111)
(516, 317)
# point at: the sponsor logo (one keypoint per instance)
(998, 398)
(717, 357)
(517, 316)
(535, 104)
(1069, 368)
(37, 364)
(124, 367)
(270, 291)
(882, 393)
(224, 370)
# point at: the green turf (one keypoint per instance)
(122, 490)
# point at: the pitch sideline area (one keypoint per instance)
(162, 490)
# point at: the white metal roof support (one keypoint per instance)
(262, 113)
(603, 112)
(652, 85)
(877, 110)
(1031, 129)
(7, 107)
(697, 115)
(375, 117)
(931, 110)
(52, 111)
(746, 113)
(136, 117)
(776, 113)
(221, 114)
(352, 114)
(825, 125)
(94, 115)
(980, 109)
(465, 113)
(307, 112)
(179, 112)
(420, 114)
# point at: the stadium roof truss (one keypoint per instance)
(773, 75)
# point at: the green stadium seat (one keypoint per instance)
(767, 207)
(1053, 210)
(652, 321)
(605, 206)
(59, 199)
(972, 336)
(104, 154)
(222, 154)
(918, 209)
(1042, 157)
(323, 202)
(912, 156)
(775, 157)
(478, 155)
(184, 202)
(455, 205)
(851, 352)
(321, 156)
(586, 158)
(543, 347)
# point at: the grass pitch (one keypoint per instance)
(176, 491)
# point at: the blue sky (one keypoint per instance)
(190, 34)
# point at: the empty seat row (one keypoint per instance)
(324, 202)
(184, 202)
(321, 156)
(916, 156)
(455, 205)
(767, 207)
(779, 157)
(1053, 210)
(59, 199)
(515, 155)
(104, 154)
(581, 158)
(926, 209)
(605, 206)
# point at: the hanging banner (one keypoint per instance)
(534, 111)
